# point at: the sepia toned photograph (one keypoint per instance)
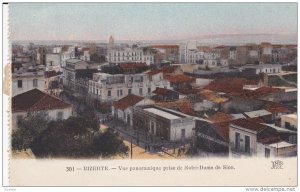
(166, 90)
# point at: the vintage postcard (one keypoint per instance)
(150, 94)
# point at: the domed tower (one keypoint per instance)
(110, 42)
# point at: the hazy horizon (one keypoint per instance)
(148, 21)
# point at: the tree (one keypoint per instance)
(109, 144)
(28, 129)
(76, 137)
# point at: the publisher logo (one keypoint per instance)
(277, 164)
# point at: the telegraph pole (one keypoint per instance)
(131, 148)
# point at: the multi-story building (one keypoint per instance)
(41, 55)
(206, 57)
(76, 75)
(24, 80)
(66, 54)
(266, 52)
(139, 55)
(53, 61)
(106, 87)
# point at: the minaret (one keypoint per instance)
(110, 42)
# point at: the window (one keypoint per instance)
(20, 83)
(129, 91)
(35, 83)
(287, 125)
(267, 152)
(149, 90)
(142, 79)
(237, 141)
(19, 118)
(247, 144)
(141, 91)
(293, 139)
(109, 93)
(121, 92)
(182, 133)
(59, 115)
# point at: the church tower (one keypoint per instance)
(110, 42)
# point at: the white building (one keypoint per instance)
(210, 58)
(248, 138)
(66, 55)
(86, 55)
(38, 101)
(264, 68)
(106, 87)
(53, 61)
(25, 81)
(167, 124)
(57, 50)
(233, 53)
(130, 55)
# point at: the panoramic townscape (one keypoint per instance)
(143, 100)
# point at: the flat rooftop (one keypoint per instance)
(257, 113)
(162, 113)
(281, 144)
(293, 116)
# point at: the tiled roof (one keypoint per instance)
(230, 85)
(187, 91)
(222, 129)
(249, 124)
(128, 101)
(270, 139)
(182, 105)
(212, 96)
(152, 72)
(178, 78)
(263, 91)
(220, 47)
(274, 107)
(36, 100)
(85, 49)
(220, 117)
(169, 69)
(162, 91)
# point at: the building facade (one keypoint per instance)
(34, 101)
(25, 81)
(167, 124)
(107, 88)
(139, 55)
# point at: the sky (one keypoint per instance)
(148, 21)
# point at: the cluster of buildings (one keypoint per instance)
(210, 57)
(250, 110)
